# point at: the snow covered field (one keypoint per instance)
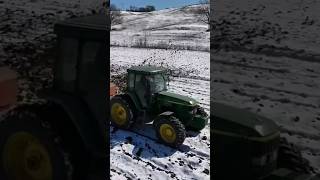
(139, 155)
(269, 63)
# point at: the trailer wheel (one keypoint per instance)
(289, 156)
(170, 131)
(30, 149)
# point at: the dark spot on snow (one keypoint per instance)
(255, 99)
(296, 119)
(191, 155)
(181, 163)
(190, 167)
(206, 171)
(204, 138)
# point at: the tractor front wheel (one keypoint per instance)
(121, 113)
(170, 131)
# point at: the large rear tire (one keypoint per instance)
(30, 149)
(121, 113)
(170, 131)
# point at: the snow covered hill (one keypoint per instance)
(179, 28)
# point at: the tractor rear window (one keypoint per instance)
(131, 81)
(159, 83)
(87, 65)
(66, 67)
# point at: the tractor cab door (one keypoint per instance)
(81, 71)
(142, 89)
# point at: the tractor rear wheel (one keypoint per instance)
(121, 113)
(30, 149)
(170, 131)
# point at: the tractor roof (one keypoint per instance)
(89, 27)
(146, 70)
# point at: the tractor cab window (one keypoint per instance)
(66, 66)
(158, 83)
(87, 65)
(131, 81)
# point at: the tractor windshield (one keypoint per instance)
(158, 83)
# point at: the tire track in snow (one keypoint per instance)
(158, 164)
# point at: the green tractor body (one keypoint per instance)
(249, 146)
(149, 100)
(251, 142)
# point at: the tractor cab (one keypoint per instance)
(145, 81)
(81, 65)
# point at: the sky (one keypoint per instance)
(159, 4)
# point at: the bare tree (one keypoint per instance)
(204, 12)
(115, 15)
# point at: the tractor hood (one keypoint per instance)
(241, 122)
(176, 99)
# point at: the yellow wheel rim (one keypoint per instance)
(118, 114)
(167, 132)
(25, 158)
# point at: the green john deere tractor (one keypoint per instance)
(249, 146)
(63, 137)
(147, 100)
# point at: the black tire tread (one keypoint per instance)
(178, 126)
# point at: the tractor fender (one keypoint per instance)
(78, 124)
(167, 113)
(133, 100)
(164, 114)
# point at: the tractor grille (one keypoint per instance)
(261, 148)
(260, 172)
(264, 156)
